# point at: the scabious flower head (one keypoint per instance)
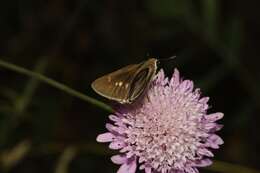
(167, 131)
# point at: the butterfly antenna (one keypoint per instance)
(167, 59)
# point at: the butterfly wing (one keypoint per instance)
(142, 79)
(116, 85)
(127, 83)
(139, 84)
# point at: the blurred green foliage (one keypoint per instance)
(45, 130)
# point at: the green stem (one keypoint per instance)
(55, 84)
(225, 167)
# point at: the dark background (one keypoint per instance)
(43, 129)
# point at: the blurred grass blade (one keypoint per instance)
(164, 8)
(10, 158)
(210, 16)
(234, 35)
(6, 108)
(55, 84)
(8, 93)
(65, 159)
(24, 100)
(224, 167)
(19, 104)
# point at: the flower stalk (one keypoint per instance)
(55, 84)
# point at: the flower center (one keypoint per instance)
(165, 136)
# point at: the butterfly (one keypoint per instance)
(128, 83)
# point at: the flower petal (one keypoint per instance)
(204, 100)
(175, 80)
(186, 86)
(214, 141)
(191, 170)
(116, 145)
(205, 152)
(114, 118)
(116, 129)
(214, 117)
(209, 126)
(110, 127)
(128, 167)
(160, 79)
(119, 159)
(203, 163)
(105, 137)
(216, 128)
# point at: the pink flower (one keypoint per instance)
(167, 131)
